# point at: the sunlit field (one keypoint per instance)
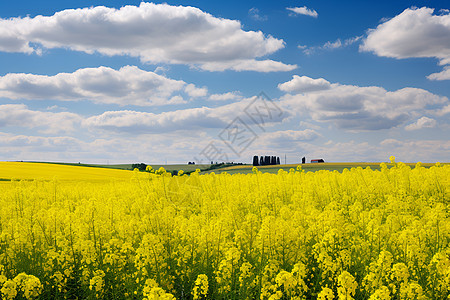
(309, 167)
(70, 232)
(43, 171)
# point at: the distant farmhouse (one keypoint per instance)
(320, 160)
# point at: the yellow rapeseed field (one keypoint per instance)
(102, 234)
(45, 171)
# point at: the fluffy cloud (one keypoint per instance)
(195, 92)
(136, 122)
(304, 84)
(225, 96)
(47, 144)
(359, 108)
(254, 111)
(423, 122)
(416, 32)
(443, 111)
(444, 75)
(303, 11)
(143, 122)
(153, 32)
(18, 115)
(128, 85)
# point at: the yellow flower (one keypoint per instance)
(286, 279)
(381, 294)
(201, 287)
(346, 286)
(325, 294)
(153, 292)
(400, 272)
(30, 285)
(413, 291)
(9, 290)
(96, 283)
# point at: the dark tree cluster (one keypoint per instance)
(191, 162)
(140, 166)
(266, 160)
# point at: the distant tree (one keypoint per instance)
(267, 160)
(261, 161)
(303, 160)
(255, 160)
(273, 160)
(140, 166)
(278, 160)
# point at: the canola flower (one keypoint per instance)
(359, 234)
(325, 294)
(201, 287)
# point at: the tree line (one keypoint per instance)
(265, 160)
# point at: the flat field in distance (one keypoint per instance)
(308, 167)
(184, 167)
(83, 172)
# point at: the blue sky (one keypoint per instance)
(125, 81)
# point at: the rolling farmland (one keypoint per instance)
(97, 233)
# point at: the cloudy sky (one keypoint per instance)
(117, 81)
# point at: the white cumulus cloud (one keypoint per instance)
(423, 122)
(19, 115)
(357, 108)
(156, 33)
(416, 32)
(444, 75)
(127, 86)
(260, 113)
(144, 122)
(304, 84)
(195, 92)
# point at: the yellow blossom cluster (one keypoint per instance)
(200, 290)
(358, 234)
